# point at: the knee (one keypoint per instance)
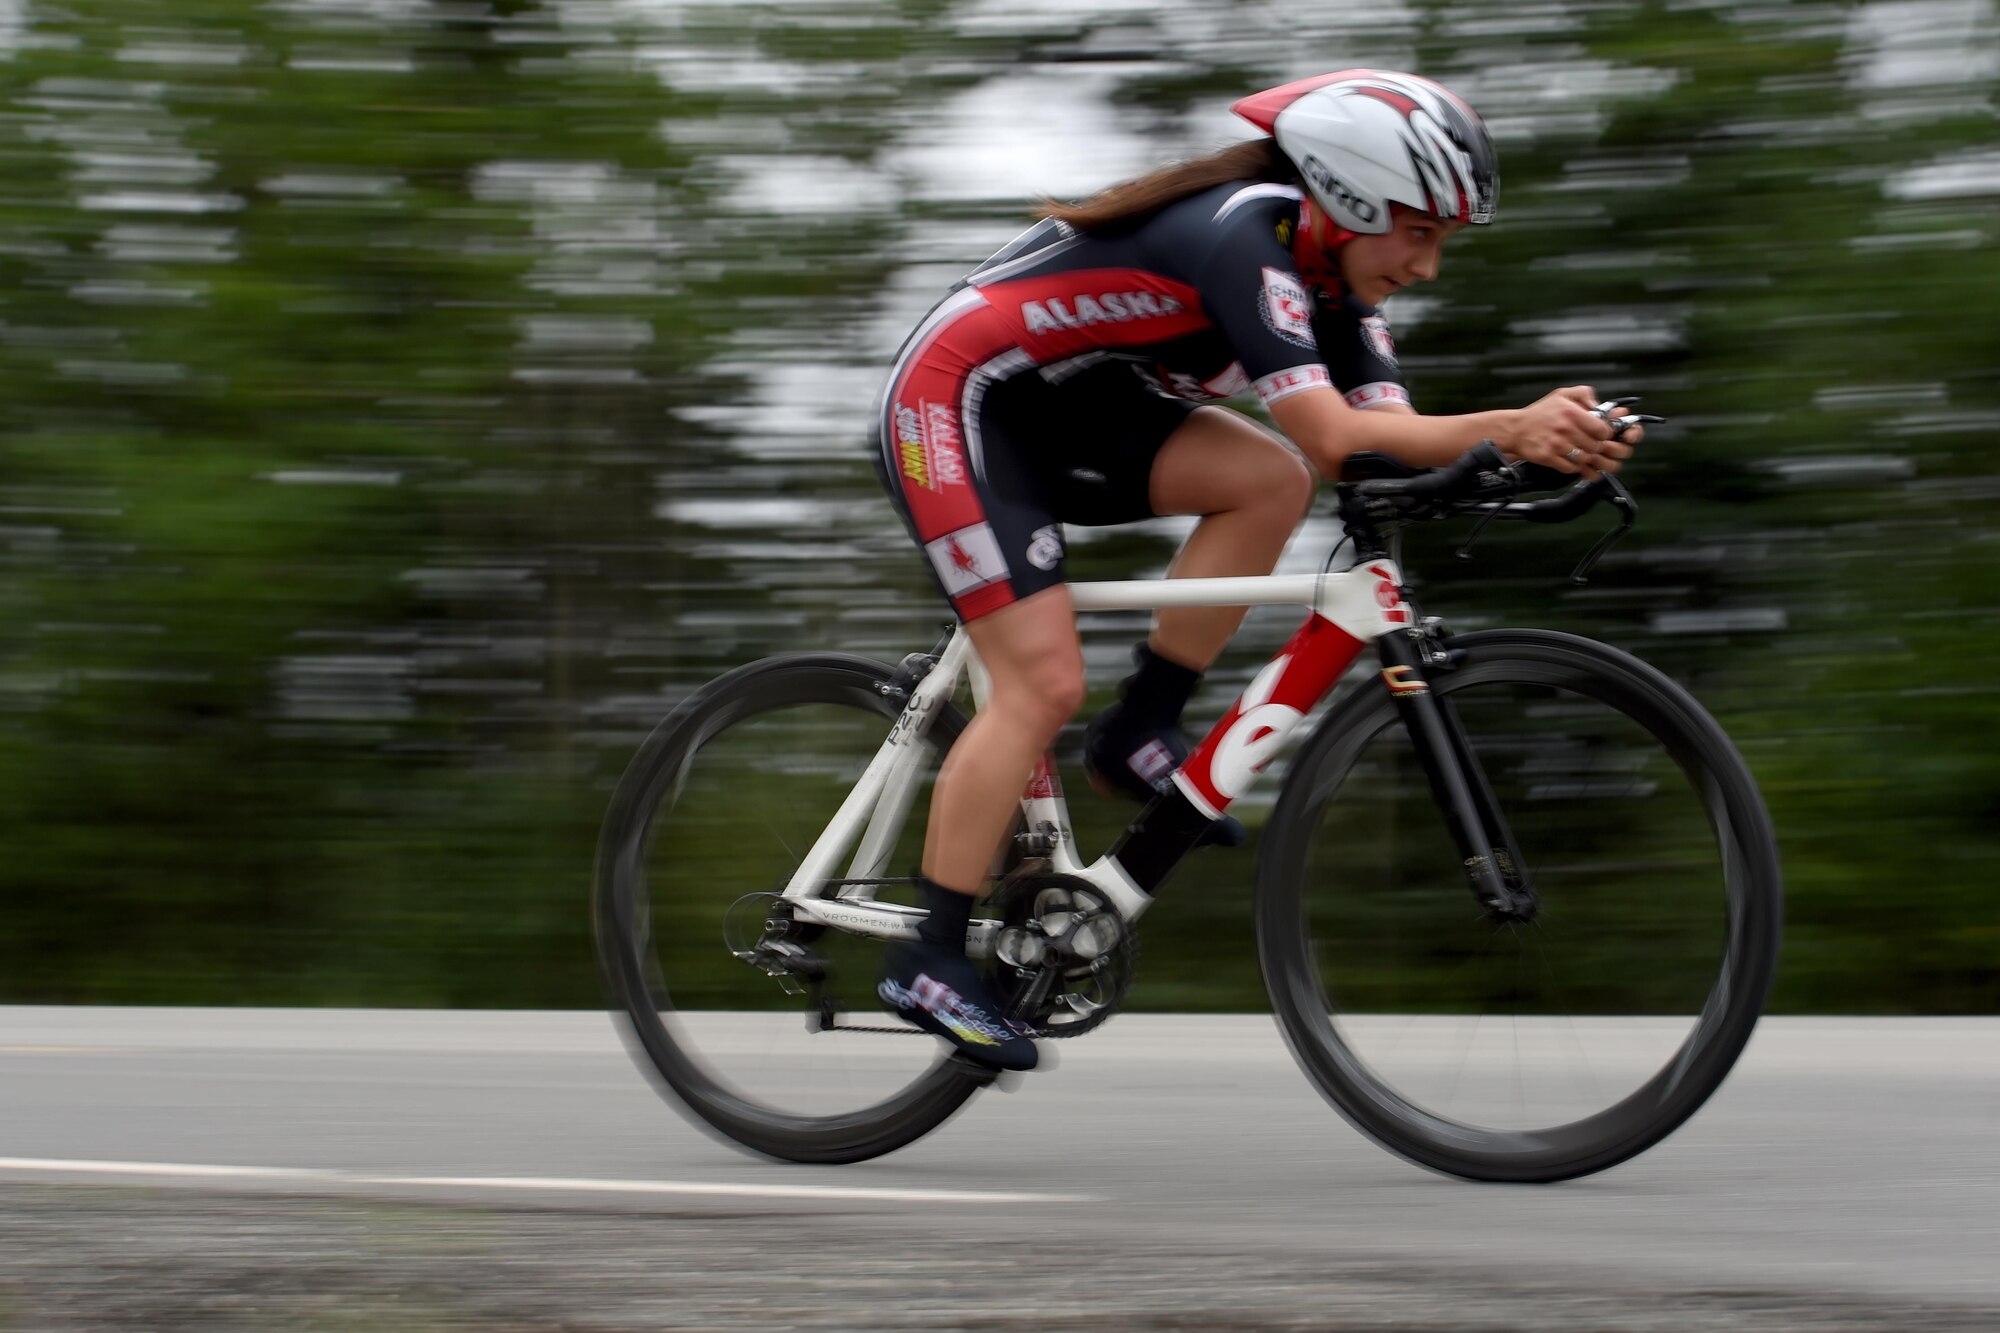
(1289, 490)
(1045, 696)
(1277, 485)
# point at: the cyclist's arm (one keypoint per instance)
(1327, 430)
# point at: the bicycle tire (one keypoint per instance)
(1342, 1051)
(653, 788)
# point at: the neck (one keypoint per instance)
(1314, 244)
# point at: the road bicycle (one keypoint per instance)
(1587, 996)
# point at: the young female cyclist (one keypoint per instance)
(1062, 382)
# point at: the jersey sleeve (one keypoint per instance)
(1354, 340)
(1252, 293)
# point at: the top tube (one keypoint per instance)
(1366, 601)
(1254, 590)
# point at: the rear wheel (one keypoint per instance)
(1537, 1051)
(705, 829)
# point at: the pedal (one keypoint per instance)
(783, 958)
(1002, 1080)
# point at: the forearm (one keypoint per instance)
(1420, 441)
(1327, 430)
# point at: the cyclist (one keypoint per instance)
(1064, 381)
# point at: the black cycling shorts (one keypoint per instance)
(986, 458)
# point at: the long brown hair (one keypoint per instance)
(1135, 200)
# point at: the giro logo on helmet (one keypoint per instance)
(1336, 189)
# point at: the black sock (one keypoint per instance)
(950, 914)
(1157, 692)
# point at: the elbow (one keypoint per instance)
(1325, 430)
(1326, 457)
(1338, 440)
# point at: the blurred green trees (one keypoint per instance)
(408, 402)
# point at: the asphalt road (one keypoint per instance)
(205, 1169)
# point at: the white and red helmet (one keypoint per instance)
(1366, 138)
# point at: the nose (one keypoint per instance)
(1424, 264)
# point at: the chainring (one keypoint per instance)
(1063, 958)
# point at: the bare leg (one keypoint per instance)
(1030, 650)
(1251, 490)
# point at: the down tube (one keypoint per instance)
(1228, 760)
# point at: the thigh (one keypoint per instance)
(1089, 444)
(1220, 460)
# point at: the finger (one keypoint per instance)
(1584, 426)
(1571, 459)
(1631, 429)
(1580, 394)
(1579, 435)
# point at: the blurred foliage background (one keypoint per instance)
(409, 400)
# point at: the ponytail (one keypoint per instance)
(1136, 200)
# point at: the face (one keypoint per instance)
(1377, 267)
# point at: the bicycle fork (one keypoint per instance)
(1252, 732)
(1493, 865)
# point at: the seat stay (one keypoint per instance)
(900, 754)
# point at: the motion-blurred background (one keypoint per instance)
(407, 402)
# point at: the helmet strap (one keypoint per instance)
(1315, 257)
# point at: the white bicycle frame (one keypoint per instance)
(1358, 606)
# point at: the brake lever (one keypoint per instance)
(1628, 514)
(1619, 424)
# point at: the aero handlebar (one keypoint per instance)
(1481, 484)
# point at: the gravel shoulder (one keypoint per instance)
(170, 1260)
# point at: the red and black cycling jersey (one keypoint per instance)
(1040, 390)
(1203, 297)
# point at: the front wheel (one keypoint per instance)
(1536, 1051)
(705, 829)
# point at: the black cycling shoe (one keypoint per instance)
(1140, 764)
(943, 993)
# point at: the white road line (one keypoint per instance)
(553, 1184)
(188, 1169)
(738, 1191)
